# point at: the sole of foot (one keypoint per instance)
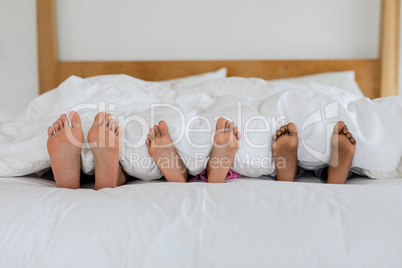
(284, 147)
(161, 149)
(104, 139)
(224, 149)
(343, 146)
(64, 147)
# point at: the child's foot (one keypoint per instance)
(162, 151)
(284, 147)
(226, 144)
(104, 140)
(64, 147)
(342, 151)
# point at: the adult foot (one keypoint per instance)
(162, 151)
(104, 139)
(226, 144)
(284, 147)
(343, 147)
(64, 146)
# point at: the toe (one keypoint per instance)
(292, 129)
(283, 129)
(220, 124)
(149, 136)
(235, 131)
(227, 126)
(50, 131)
(75, 119)
(231, 127)
(148, 142)
(278, 133)
(286, 129)
(238, 136)
(56, 126)
(349, 135)
(152, 132)
(112, 125)
(100, 118)
(338, 127)
(345, 130)
(108, 119)
(156, 131)
(353, 141)
(274, 137)
(163, 128)
(64, 118)
(118, 132)
(60, 122)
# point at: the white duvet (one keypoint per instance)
(242, 223)
(257, 106)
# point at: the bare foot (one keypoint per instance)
(342, 151)
(64, 147)
(162, 151)
(226, 144)
(284, 147)
(104, 140)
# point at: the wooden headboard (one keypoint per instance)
(376, 77)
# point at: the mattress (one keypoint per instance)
(246, 222)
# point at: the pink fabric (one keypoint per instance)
(203, 176)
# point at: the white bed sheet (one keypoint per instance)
(242, 223)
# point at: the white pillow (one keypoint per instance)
(192, 79)
(344, 80)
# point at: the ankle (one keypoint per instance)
(216, 176)
(122, 177)
(74, 185)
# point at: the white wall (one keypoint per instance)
(211, 29)
(18, 62)
(182, 29)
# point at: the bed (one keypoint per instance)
(247, 222)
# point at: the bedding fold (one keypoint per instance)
(258, 107)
